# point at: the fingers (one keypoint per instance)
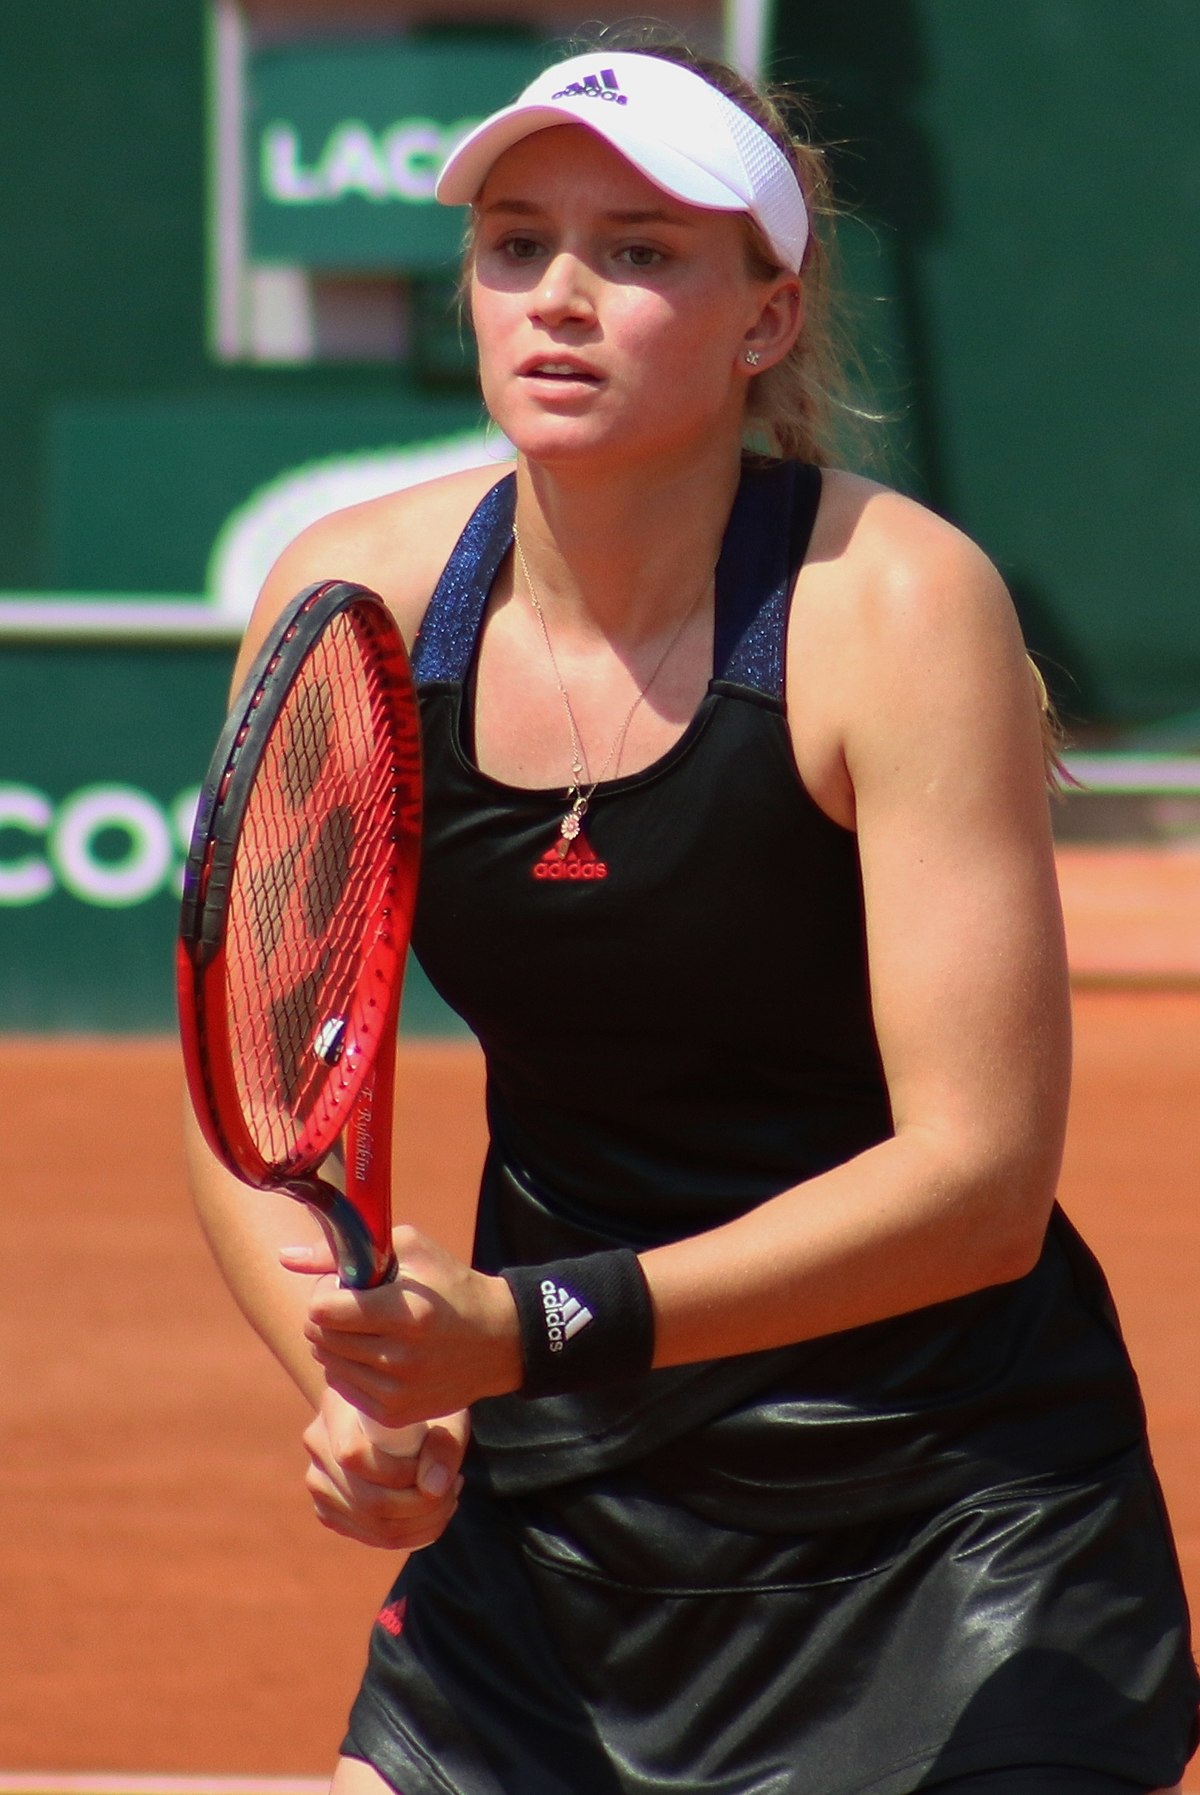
(310, 1258)
(374, 1352)
(441, 1456)
(355, 1447)
(337, 1308)
(402, 1386)
(438, 1338)
(388, 1520)
(373, 1497)
(429, 1278)
(363, 1340)
(383, 1394)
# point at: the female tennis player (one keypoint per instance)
(807, 1458)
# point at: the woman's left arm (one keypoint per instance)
(918, 668)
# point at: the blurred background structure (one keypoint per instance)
(228, 306)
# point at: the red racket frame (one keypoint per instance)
(357, 1096)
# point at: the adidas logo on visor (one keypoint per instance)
(692, 140)
(565, 1315)
(594, 87)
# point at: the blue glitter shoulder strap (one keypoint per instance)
(767, 539)
(446, 639)
(765, 542)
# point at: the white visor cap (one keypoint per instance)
(670, 123)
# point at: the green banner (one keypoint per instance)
(101, 754)
(140, 490)
(164, 516)
(344, 143)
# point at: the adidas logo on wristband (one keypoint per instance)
(565, 1315)
(600, 1304)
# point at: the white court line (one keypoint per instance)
(45, 1783)
(1149, 774)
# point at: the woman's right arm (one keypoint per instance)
(397, 546)
(398, 1505)
(357, 1490)
(245, 1230)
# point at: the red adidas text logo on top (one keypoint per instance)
(579, 862)
(391, 1618)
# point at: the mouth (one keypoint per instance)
(552, 368)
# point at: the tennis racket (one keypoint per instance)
(298, 897)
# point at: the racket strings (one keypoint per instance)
(309, 727)
(313, 887)
(332, 860)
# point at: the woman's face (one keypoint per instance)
(612, 320)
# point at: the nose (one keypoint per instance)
(564, 293)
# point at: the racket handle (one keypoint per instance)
(362, 1265)
(400, 1442)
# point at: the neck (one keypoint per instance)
(625, 554)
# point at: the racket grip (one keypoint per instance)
(401, 1442)
(361, 1265)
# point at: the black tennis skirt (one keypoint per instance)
(593, 1640)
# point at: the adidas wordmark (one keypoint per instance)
(565, 1314)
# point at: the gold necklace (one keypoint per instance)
(582, 787)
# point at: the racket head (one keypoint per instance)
(299, 890)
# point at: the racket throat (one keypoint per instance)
(361, 1262)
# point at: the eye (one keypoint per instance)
(521, 249)
(642, 255)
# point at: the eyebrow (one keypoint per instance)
(523, 208)
(652, 215)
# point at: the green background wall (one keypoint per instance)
(1026, 178)
(1025, 255)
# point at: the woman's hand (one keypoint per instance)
(368, 1495)
(432, 1342)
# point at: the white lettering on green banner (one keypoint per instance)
(110, 846)
(344, 140)
(401, 163)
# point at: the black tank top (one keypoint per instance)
(677, 1025)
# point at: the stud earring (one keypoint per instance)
(753, 357)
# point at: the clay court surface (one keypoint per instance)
(169, 1604)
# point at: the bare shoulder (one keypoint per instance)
(397, 545)
(890, 551)
(889, 586)
(904, 643)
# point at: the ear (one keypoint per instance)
(778, 323)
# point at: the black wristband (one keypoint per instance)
(584, 1322)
